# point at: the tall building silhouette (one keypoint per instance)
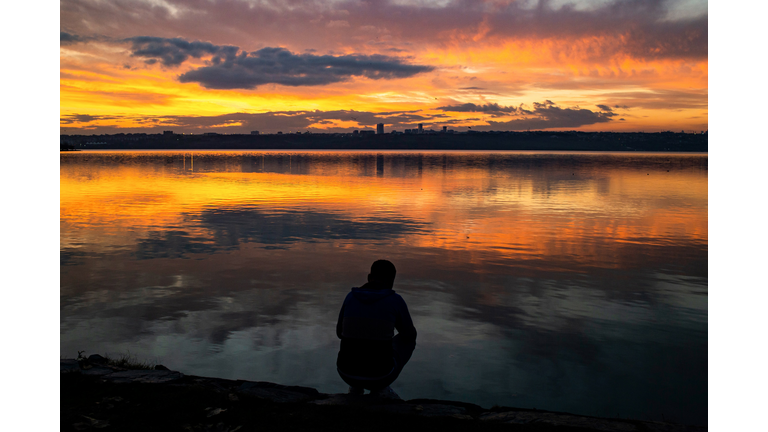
(380, 129)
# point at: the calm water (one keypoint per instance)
(571, 282)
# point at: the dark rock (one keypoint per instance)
(278, 393)
(371, 403)
(561, 420)
(236, 390)
(214, 411)
(443, 410)
(96, 359)
(394, 408)
(218, 385)
(143, 376)
(97, 370)
(466, 405)
(69, 366)
(544, 418)
(338, 399)
(669, 427)
(91, 423)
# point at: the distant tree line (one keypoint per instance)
(535, 140)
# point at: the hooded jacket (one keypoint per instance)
(367, 323)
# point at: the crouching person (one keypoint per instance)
(371, 356)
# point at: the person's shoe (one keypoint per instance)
(386, 393)
(356, 391)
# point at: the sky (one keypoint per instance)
(234, 66)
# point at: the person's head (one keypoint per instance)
(384, 272)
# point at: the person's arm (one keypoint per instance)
(403, 322)
(339, 327)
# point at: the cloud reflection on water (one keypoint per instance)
(534, 280)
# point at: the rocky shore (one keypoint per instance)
(98, 396)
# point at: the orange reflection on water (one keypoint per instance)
(520, 214)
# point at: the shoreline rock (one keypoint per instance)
(297, 399)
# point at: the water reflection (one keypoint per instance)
(227, 228)
(574, 282)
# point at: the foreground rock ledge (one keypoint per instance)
(106, 412)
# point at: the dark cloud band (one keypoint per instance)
(175, 51)
(543, 115)
(231, 68)
(492, 108)
(280, 66)
(71, 39)
(546, 115)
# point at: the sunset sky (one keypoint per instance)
(233, 66)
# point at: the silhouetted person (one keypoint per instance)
(371, 356)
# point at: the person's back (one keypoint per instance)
(371, 356)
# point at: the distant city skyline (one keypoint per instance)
(233, 67)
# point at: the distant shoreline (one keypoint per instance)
(395, 151)
(481, 141)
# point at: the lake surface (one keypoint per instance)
(571, 282)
